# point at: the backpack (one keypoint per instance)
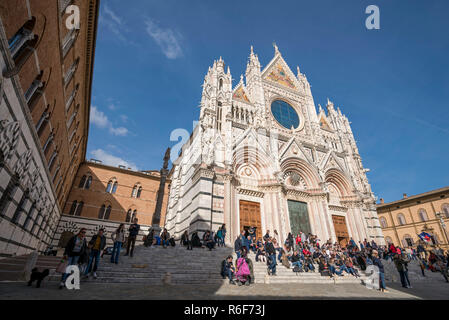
(172, 242)
(297, 269)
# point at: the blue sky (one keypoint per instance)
(392, 83)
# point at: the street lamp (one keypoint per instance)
(443, 225)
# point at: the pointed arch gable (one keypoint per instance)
(340, 180)
(304, 169)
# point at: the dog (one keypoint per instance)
(38, 276)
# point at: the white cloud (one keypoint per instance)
(114, 23)
(112, 160)
(119, 131)
(99, 119)
(167, 39)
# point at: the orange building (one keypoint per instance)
(404, 219)
(105, 196)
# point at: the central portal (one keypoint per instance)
(299, 217)
(250, 217)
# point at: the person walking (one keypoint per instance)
(118, 237)
(378, 263)
(271, 252)
(401, 263)
(133, 232)
(75, 248)
(96, 244)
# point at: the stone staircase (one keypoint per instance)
(194, 267)
(284, 275)
(414, 273)
(13, 268)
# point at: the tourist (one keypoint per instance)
(165, 237)
(381, 271)
(208, 240)
(401, 263)
(266, 236)
(323, 268)
(252, 233)
(149, 239)
(296, 260)
(239, 243)
(218, 235)
(277, 248)
(442, 267)
(242, 270)
(223, 234)
(260, 254)
(96, 244)
(75, 248)
(185, 240)
(133, 232)
(196, 242)
(271, 257)
(227, 269)
(251, 269)
(118, 237)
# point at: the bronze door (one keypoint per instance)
(250, 217)
(341, 231)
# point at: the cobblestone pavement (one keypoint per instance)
(96, 291)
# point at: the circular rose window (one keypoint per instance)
(285, 114)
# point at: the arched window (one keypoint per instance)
(128, 216)
(82, 182)
(423, 215)
(220, 86)
(88, 183)
(109, 187)
(79, 209)
(408, 241)
(101, 213)
(134, 215)
(388, 240)
(445, 209)
(73, 208)
(134, 192)
(139, 192)
(108, 213)
(114, 188)
(401, 219)
(383, 222)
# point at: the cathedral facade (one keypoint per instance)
(262, 156)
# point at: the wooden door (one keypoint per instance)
(341, 231)
(250, 216)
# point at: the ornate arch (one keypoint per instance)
(338, 179)
(249, 156)
(308, 174)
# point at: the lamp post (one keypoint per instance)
(443, 225)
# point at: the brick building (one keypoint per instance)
(404, 219)
(105, 196)
(45, 91)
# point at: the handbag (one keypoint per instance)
(62, 266)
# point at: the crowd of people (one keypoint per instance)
(301, 253)
(304, 252)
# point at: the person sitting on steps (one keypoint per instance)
(227, 269)
(165, 238)
(185, 240)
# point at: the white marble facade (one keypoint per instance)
(239, 151)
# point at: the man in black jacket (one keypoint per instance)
(238, 245)
(96, 244)
(75, 248)
(133, 232)
(271, 252)
(227, 269)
